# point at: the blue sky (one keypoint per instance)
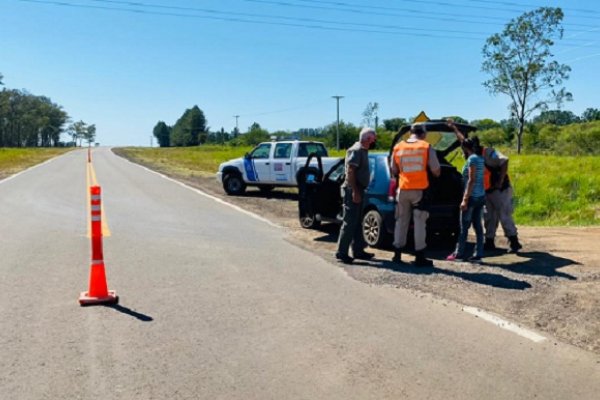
(126, 65)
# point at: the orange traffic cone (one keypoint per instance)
(98, 292)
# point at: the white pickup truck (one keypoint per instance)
(271, 164)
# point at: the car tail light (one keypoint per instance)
(392, 189)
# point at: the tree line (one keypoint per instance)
(552, 131)
(27, 120)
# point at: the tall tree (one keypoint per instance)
(162, 133)
(28, 120)
(190, 129)
(521, 66)
(78, 130)
(394, 124)
(255, 135)
(90, 134)
(485, 124)
(370, 114)
(348, 134)
(556, 117)
(591, 114)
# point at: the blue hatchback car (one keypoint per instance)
(320, 192)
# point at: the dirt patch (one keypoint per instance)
(553, 286)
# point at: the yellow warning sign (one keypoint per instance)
(422, 117)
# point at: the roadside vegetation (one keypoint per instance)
(550, 190)
(27, 120)
(14, 160)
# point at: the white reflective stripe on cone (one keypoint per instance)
(96, 218)
(95, 197)
(97, 262)
(96, 208)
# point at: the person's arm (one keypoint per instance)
(356, 195)
(469, 188)
(434, 163)
(502, 175)
(394, 169)
(459, 135)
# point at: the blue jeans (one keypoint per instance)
(473, 214)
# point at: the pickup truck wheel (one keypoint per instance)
(234, 185)
(372, 228)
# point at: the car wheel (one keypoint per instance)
(309, 221)
(372, 228)
(306, 214)
(234, 185)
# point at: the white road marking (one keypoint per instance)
(200, 192)
(509, 326)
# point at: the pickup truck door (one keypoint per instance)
(257, 164)
(281, 168)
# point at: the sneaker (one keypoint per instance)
(397, 256)
(475, 260)
(489, 245)
(346, 259)
(363, 255)
(453, 257)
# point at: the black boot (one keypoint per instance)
(397, 256)
(489, 244)
(421, 260)
(514, 244)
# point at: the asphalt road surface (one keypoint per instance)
(216, 304)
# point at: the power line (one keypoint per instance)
(240, 20)
(416, 13)
(532, 5)
(228, 16)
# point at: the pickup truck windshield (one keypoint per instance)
(307, 148)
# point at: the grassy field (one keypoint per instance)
(549, 190)
(13, 160)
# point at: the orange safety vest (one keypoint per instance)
(488, 173)
(412, 159)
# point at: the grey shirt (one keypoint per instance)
(493, 158)
(359, 158)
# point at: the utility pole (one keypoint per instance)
(151, 144)
(337, 98)
(237, 130)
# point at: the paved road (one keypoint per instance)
(216, 304)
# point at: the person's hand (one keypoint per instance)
(356, 197)
(464, 205)
(450, 122)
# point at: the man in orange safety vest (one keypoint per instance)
(410, 160)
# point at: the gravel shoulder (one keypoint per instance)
(552, 286)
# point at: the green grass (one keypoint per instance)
(13, 160)
(549, 190)
(201, 160)
(554, 190)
